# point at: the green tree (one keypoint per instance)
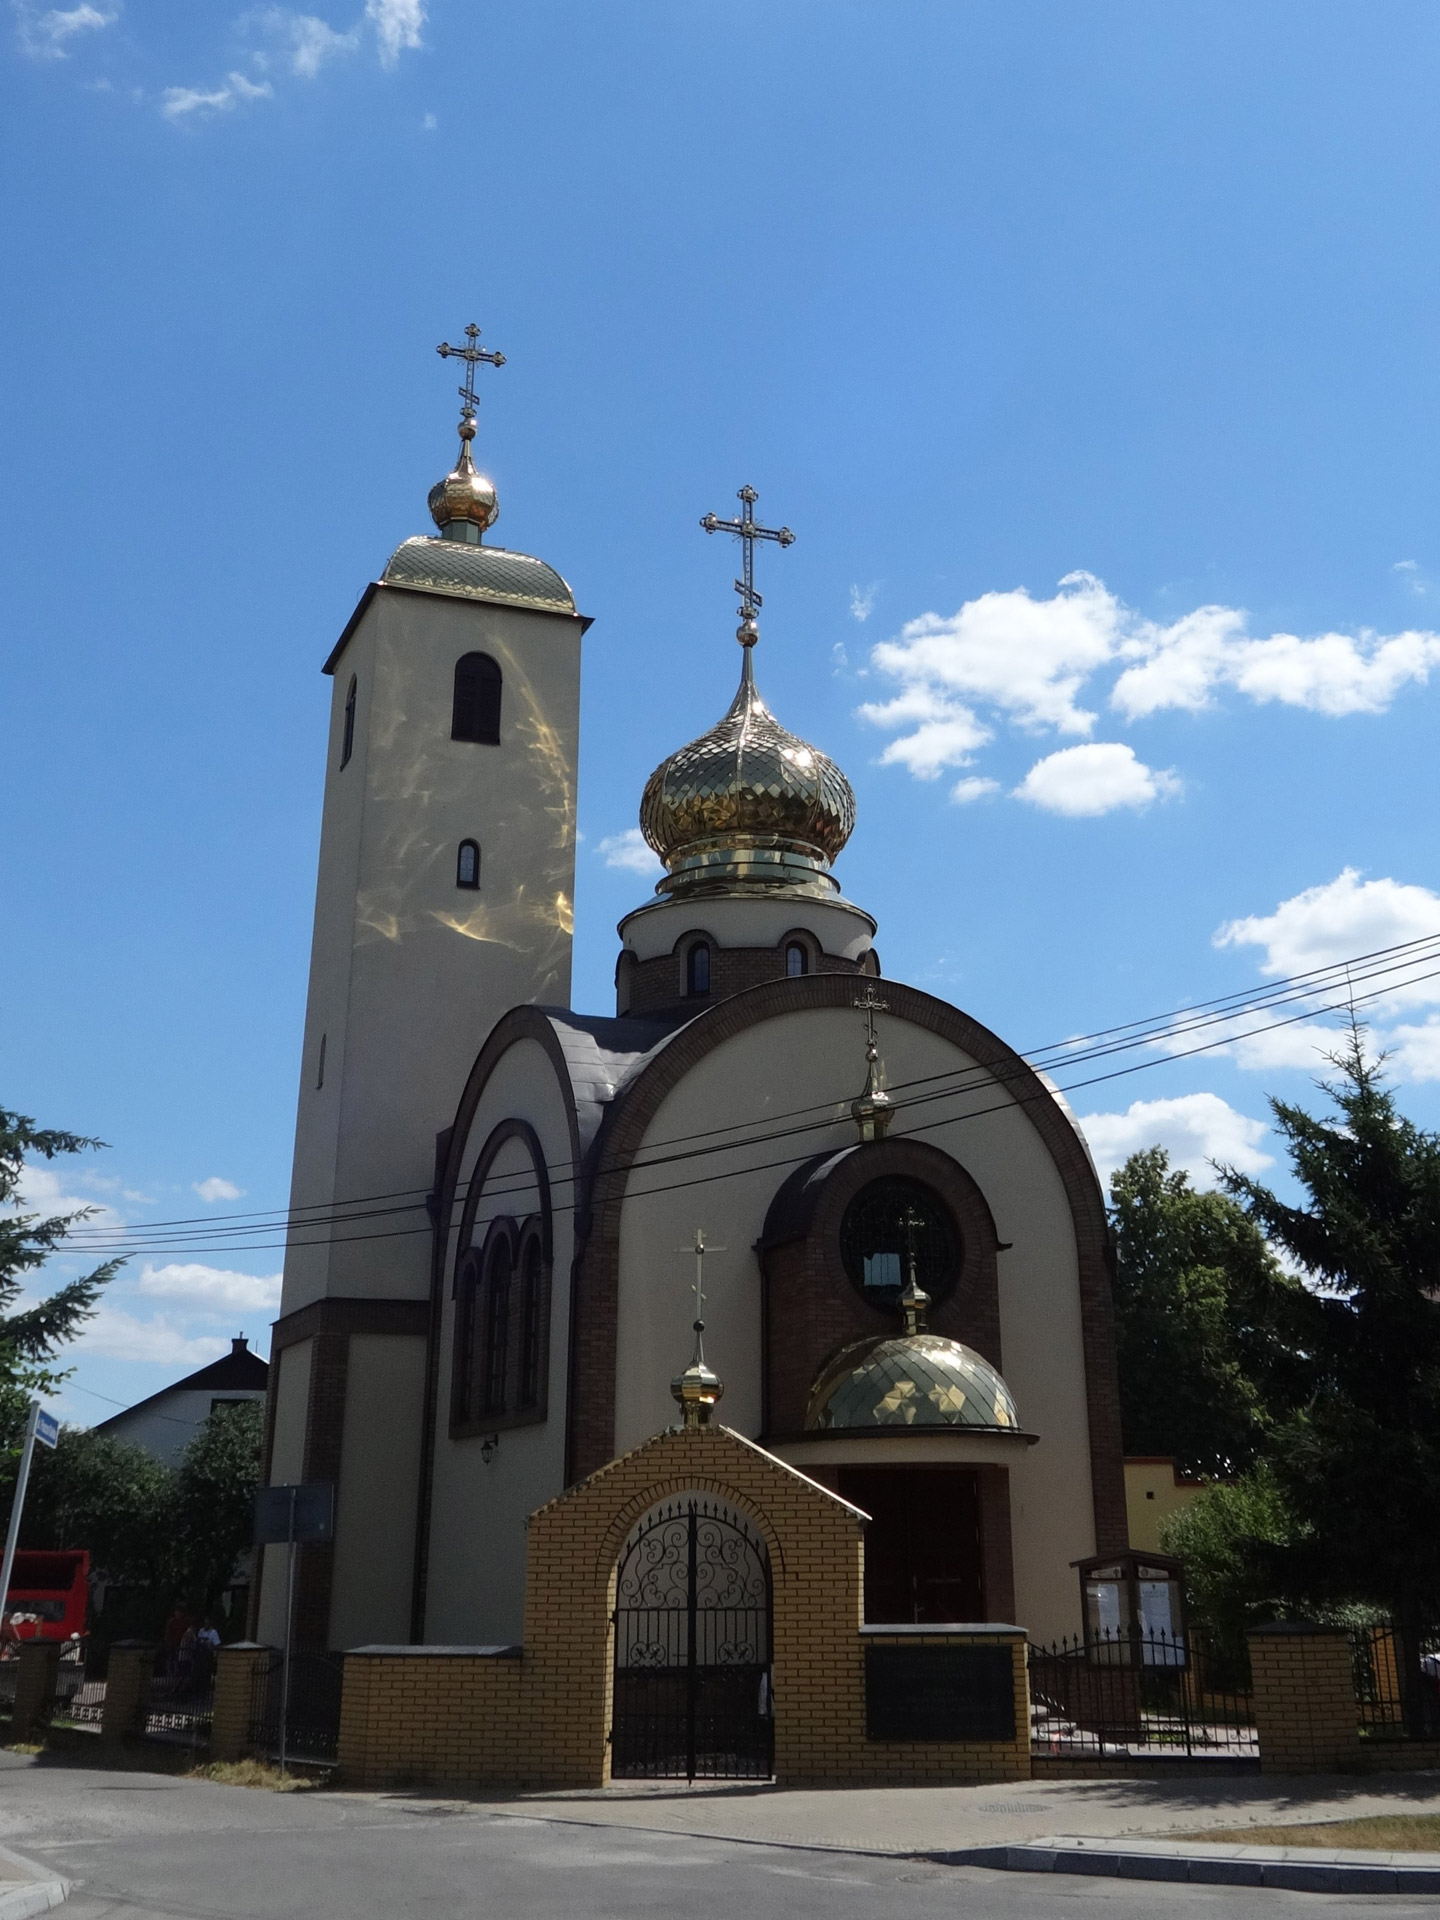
(108, 1496)
(30, 1337)
(214, 1495)
(1204, 1321)
(1359, 1462)
(1222, 1538)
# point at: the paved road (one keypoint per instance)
(144, 1847)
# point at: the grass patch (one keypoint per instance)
(255, 1773)
(1384, 1832)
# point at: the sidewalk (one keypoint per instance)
(938, 1820)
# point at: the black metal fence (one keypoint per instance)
(312, 1717)
(177, 1702)
(1398, 1697)
(1147, 1695)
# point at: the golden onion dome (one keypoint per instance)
(748, 806)
(915, 1380)
(464, 503)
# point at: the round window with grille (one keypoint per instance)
(882, 1224)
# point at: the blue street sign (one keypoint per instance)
(47, 1428)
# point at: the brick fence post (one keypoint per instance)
(1306, 1715)
(235, 1670)
(35, 1686)
(127, 1683)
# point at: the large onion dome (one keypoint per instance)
(916, 1380)
(748, 807)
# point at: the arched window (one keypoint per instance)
(891, 1222)
(467, 864)
(797, 960)
(697, 968)
(532, 1276)
(347, 744)
(495, 1351)
(475, 714)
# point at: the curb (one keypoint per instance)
(38, 1892)
(1214, 1868)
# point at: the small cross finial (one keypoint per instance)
(872, 1111)
(747, 531)
(472, 353)
(698, 1388)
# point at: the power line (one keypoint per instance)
(1151, 1031)
(979, 1076)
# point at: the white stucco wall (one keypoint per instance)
(375, 1500)
(477, 1538)
(166, 1425)
(814, 1060)
(408, 971)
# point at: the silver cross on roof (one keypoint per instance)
(747, 530)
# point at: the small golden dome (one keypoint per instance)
(747, 806)
(464, 499)
(917, 1380)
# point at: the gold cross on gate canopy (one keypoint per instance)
(472, 354)
(747, 531)
(700, 1249)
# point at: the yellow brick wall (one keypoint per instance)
(1304, 1690)
(542, 1720)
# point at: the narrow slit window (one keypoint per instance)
(467, 864)
(347, 743)
(697, 969)
(320, 1071)
(530, 1302)
(475, 714)
(497, 1328)
(797, 960)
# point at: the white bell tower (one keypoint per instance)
(447, 869)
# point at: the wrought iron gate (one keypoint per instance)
(692, 1649)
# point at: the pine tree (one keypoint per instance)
(1359, 1463)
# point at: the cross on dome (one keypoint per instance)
(747, 531)
(699, 1387)
(473, 354)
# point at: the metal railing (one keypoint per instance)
(1396, 1699)
(177, 1702)
(1148, 1695)
(312, 1723)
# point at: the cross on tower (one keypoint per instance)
(472, 354)
(747, 531)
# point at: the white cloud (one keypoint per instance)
(1335, 922)
(121, 1336)
(306, 41)
(964, 791)
(217, 1189)
(180, 102)
(1084, 781)
(206, 1290)
(862, 601)
(1028, 658)
(1332, 674)
(1195, 1129)
(45, 34)
(629, 852)
(397, 26)
(1037, 664)
(429, 123)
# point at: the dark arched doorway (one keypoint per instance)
(692, 1648)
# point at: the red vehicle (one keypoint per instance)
(49, 1595)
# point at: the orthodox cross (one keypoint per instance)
(747, 531)
(870, 1004)
(472, 354)
(700, 1249)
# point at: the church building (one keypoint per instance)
(496, 1198)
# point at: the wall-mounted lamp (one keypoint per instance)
(489, 1447)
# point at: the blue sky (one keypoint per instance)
(1091, 353)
